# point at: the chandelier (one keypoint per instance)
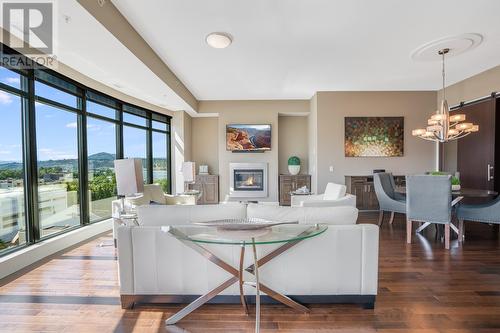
(441, 126)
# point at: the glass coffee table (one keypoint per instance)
(195, 236)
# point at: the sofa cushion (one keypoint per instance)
(305, 215)
(159, 215)
(334, 191)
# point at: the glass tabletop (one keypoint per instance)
(269, 235)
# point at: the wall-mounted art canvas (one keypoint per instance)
(374, 136)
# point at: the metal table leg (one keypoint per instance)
(257, 288)
(242, 282)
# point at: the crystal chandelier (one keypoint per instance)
(441, 126)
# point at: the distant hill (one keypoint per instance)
(102, 156)
(98, 160)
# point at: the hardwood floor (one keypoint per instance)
(422, 288)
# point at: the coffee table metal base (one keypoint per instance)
(237, 277)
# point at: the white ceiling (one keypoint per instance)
(86, 46)
(292, 48)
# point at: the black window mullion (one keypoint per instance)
(83, 174)
(169, 160)
(30, 160)
(119, 133)
(149, 150)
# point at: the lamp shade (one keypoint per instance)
(189, 171)
(129, 178)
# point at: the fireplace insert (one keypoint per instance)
(248, 180)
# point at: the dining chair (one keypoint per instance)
(429, 201)
(389, 200)
(484, 213)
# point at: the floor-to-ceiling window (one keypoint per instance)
(12, 212)
(58, 143)
(57, 157)
(161, 147)
(101, 152)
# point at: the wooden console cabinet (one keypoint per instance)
(362, 187)
(289, 183)
(209, 186)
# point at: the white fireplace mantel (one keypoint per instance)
(233, 193)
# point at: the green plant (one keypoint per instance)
(294, 160)
(454, 180)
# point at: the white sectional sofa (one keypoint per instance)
(338, 266)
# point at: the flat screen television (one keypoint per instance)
(244, 137)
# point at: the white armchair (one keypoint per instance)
(335, 195)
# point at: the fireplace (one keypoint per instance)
(248, 180)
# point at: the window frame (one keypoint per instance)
(29, 145)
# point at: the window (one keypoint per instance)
(58, 143)
(101, 150)
(133, 119)
(12, 216)
(160, 160)
(10, 78)
(59, 96)
(57, 160)
(101, 110)
(135, 146)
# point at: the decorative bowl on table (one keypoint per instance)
(243, 224)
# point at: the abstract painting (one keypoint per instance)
(374, 136)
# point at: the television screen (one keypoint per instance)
(248, 137)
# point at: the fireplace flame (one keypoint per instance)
(248, 182)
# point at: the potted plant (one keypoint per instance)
(294, 165)
(455, 182)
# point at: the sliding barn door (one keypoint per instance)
(476, 152)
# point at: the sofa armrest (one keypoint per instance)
(125, 259)
(297, 200)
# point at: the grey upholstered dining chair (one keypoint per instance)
(485, 213)
(389, 200)
(429, 200)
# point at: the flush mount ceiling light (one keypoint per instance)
(219, 40)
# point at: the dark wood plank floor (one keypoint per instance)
(422, 288)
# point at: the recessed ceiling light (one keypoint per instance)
(219, 40)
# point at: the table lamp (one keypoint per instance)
(129, 179)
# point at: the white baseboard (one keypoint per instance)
(20, 259)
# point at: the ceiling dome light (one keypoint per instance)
(219, 40)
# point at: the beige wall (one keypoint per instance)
(312, 123)
(292, 141)
(187, 136)
(253, 112)
(332, 107)
(205, 144)
(477, 86)
(181, 147)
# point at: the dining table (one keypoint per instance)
(459, 195)
(463, 192)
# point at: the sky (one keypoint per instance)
(57, 129)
